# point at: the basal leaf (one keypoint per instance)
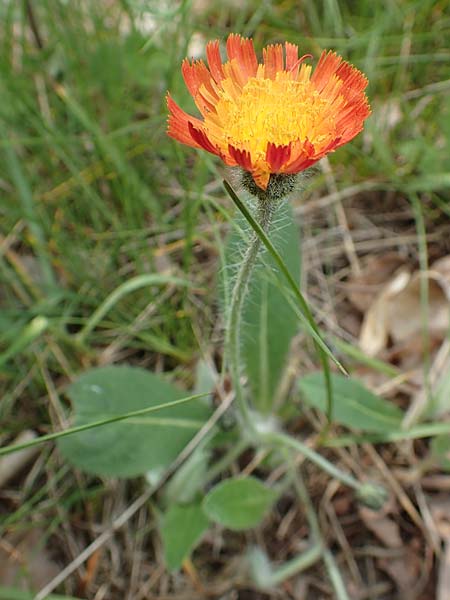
(181, 529)
(239, 503)
(440, 448)
(136, 445)
(354, 405)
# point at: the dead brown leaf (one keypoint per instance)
(377, 270)
(439, 506)
(442, 268)
(397, 313)
(382, 526)
(405, 313)
(404, 569)
(376, 324)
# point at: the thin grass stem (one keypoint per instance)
(79, 428)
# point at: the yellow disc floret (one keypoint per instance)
(278, 110)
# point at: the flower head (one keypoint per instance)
(274, 117)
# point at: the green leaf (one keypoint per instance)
(131, 447)
(354, 405)
(440, 448)
(440, 403)
(181, 530)
(239, 503)
(205, 378)
(188, 478)
(268, 321)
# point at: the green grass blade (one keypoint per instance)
(25, 195)
(424, 430)
(59, 434)
(31, 331)
(126, 288)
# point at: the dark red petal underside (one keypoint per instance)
(304, 160)
(202, 139)
(242, 157)
(277, 156)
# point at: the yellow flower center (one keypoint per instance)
(280, 111)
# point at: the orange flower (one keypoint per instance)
(271, 118)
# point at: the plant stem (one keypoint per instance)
(268, 577)
(233, 339)
(371, 494)
(281, 440)
(335, 576)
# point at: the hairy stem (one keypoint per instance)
(233, 338)
(283, 440)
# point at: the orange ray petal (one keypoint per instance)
(352, 77)
(303, 158)
(261, 178)
(293, 62)
(234, 73)
(335, 143)
(178, 124)
(197, 75)
(301, 164)
(326, 67)
(291, 56)
(242, 50)
(349, 120)
(214, 60)
(273, 60)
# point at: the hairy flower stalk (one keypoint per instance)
(232, 342)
